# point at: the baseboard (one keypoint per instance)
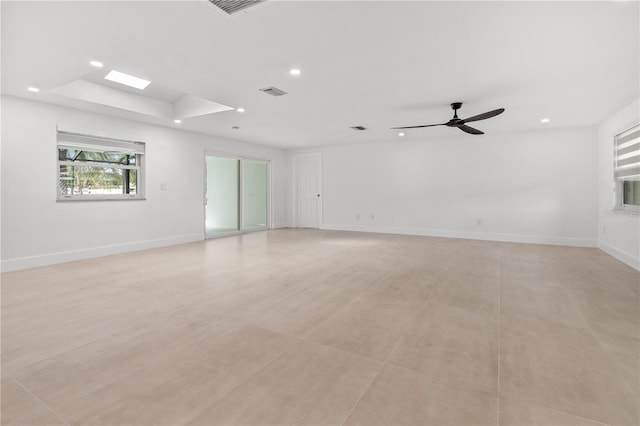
(469, 235)
(69, 256)
(88, 253)
(622, 256)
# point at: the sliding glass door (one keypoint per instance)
(222, 213)
(236, 195)
(254, 195)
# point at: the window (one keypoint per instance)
(96, 168)
(627, 169)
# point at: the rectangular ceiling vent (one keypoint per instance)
(273, 91)
(234, 6)
(359, 128)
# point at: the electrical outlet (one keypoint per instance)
(480, 221)
(357, 216)
(373, 216)
(163, 187)
(604, 229)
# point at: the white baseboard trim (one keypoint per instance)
(88, 253)
(621, 255)
(469, 235)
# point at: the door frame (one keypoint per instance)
(294, 173)
(241, 159)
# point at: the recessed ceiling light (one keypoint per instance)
(96, 64)
(401, 134)
(240, 109)
(544, 120)
(177, 121)
(127, 80)
(295, 71)
(33, 89)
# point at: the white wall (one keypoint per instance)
(618, 234)
(37, 230)
(537, 187)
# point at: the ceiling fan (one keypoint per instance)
(461, 123)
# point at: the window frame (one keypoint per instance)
(70, 140)
(619, 205)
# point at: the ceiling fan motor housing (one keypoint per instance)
(455, 121)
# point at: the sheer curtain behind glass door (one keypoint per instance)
(254, 194)
(222, 198)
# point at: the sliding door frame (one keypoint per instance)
(241, 224)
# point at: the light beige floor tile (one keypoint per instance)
(235, 296)
(602, 267)
(297, 314)
(471, 292)
(19, 407)
(369, 325)
(62, 324)
(104, 345)
(624, 274)
(413, 269)
(66, 385)
(171, 374)
(539, 299)
(483, 251)
(405, 397)
(476, 266)
(454, 343)
(609, 313)
(526, 270)
(563, 368)
(625, 353)
(515, 412)
(310, 385)
(414, 286)
(532, 253)
(590, 278)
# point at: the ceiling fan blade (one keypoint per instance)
(470, 130)
(415, 127)
(484, 115)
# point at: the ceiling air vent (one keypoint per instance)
(359, 128)
(273, 91)
(234, 6)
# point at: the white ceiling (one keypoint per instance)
(378, 64)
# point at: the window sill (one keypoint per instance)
(74, 199)
(626, 211)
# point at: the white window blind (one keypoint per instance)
(627, 155)
(98, 144)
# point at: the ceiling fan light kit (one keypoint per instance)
(461, 123)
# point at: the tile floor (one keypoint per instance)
(305, 327)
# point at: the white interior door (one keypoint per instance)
(308, 190)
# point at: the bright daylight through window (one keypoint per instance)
(95, 168)
(627, 169)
